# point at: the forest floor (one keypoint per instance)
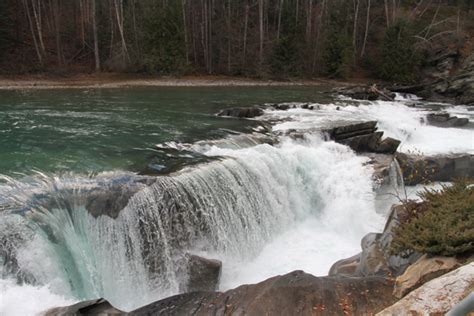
(119, 80)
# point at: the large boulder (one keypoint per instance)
(92, 307)
(345, 267)
(203, 273)
(295, 293)
(446, 120)
(436, 297)
(241, 112)
(421, 169)
(363, 138)
(422, 271)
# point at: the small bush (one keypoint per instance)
(444, 225)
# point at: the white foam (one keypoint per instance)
(27, 300)
(334, 193)
(394, 118)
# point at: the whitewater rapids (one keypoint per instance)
(263, 210)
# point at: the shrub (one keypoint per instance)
(444, 225)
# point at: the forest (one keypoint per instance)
(255, 38)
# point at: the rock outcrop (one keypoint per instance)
(111, 199)
(295, 293)
(423, 270)
(436, 297)
(446, 120)
(203, 273)
(457, 88)
(421, 169)
(363, 137)
(376, 257)
(241, 112)
(92, 307)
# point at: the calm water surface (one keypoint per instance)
(106, 129)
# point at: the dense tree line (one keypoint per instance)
(278, 38)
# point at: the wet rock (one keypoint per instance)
(351, 130)
(418, 169)
(396, 263)
(376, 257)
(423, 270)
(241, 112)
(382, 166)
(446, 120)
(203, 273)
(281, 107)
(345, 267)
(296, 293)
(436, 297)
(387, 146)
(110, 199)
(92, 307)
(363, 137)
(372, 257)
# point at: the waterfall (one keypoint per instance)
(242, 208)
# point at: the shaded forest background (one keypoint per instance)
(387, 39)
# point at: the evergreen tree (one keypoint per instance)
(164, 48)
(286, 52)
(338, 51)
(399, 58)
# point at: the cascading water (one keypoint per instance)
(263, 210)
(240, 209)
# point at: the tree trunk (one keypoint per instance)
(387, 18)
(210, 35)
(280, 8)
(318, 35)
(135, 32)
(57, 31)
(96, 42)
(308, 21)
(229, 35)
(246, 24)
(367, 21)
(35, 42)
(119, 14)
(260, 24)
(183, 4)
(354, 34)
(37, 16)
